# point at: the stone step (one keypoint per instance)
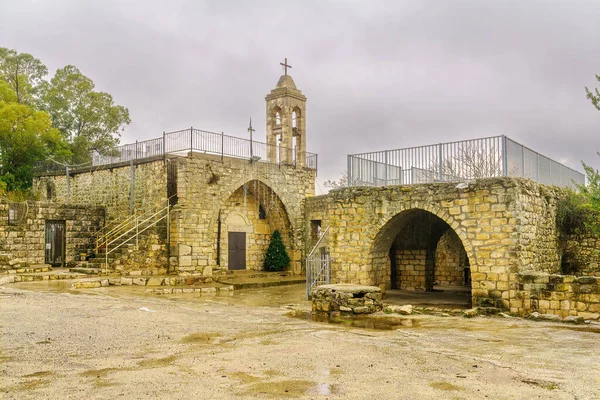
(47, 277)
(186, 289)
(87, 270)
(28, 270)
(149, 281)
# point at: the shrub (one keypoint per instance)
(276, 258)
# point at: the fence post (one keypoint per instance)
(164, 146)
(522, 161)
(131, 187)
(504, 157)
(385, 174)
(222, 145)
(349, 173)
(68, 187)
(441, 163)
(136, 150)
(191, 140)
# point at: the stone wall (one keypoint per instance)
(562, 295)
(410, 265)
(24, 236)
(581, 255)
(450, 260)
(506, 225)
(207, 188)
(110, 186)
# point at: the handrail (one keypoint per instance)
(137, 230)
(102, 240)
(318, 242)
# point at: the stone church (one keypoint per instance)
(198, 202)
(204, 201)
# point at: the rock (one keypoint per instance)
(155, 281)
(361, 310)
(573, 319)
(138, 281)
(404, 310)
(536, 316)
(470, 313)
(345, 309)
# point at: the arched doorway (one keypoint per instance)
(246, 220)
(418, 252)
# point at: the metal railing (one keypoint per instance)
(458, 161)
(317, 267)
(196, 140)
(130, 230)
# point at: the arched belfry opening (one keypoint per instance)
(418, 251)
(247, 219)
(286, 128)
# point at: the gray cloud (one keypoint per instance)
(377, 74)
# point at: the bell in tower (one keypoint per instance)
(286, 127)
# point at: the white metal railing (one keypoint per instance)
(458, 161)
(317, 266)
(190, 140)
(130, 230)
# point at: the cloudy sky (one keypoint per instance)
(377, 74)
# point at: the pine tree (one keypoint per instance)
(276, 258)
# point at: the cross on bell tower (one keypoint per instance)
(285, 66)
(286, 122)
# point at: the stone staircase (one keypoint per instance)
(114, 243)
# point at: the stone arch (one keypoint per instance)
(277, 113)
(385, 234)
(241, 202)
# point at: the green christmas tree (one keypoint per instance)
(277, 258)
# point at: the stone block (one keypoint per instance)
(184, 250)
(185, 261)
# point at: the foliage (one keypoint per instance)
(24, 73)
(88, 119)
(342, 182)
(594, 95)
(571, 214)
(579, 212)
(591, 194)
(276, 258)
(26, 138)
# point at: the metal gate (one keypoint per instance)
(317, 266)
(237, 250)
(55, 242)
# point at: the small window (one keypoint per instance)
(294, 120)
(315, 228)
(49, 191)
(262, 214)
(17, 212)
(277, 118)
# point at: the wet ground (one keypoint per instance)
(120, 342)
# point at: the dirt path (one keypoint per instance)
(102, 344)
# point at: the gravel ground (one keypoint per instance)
(119, 343)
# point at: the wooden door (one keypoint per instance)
(55, 243)
(237, 250)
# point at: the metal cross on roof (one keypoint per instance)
(285, 66)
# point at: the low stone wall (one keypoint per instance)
(346, 298)
(562, 295)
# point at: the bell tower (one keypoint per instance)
(286, 122)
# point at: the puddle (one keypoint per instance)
(279, 389)
(445, 386)
(200, 337)
(385, 323)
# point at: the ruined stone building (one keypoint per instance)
(203, 202)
